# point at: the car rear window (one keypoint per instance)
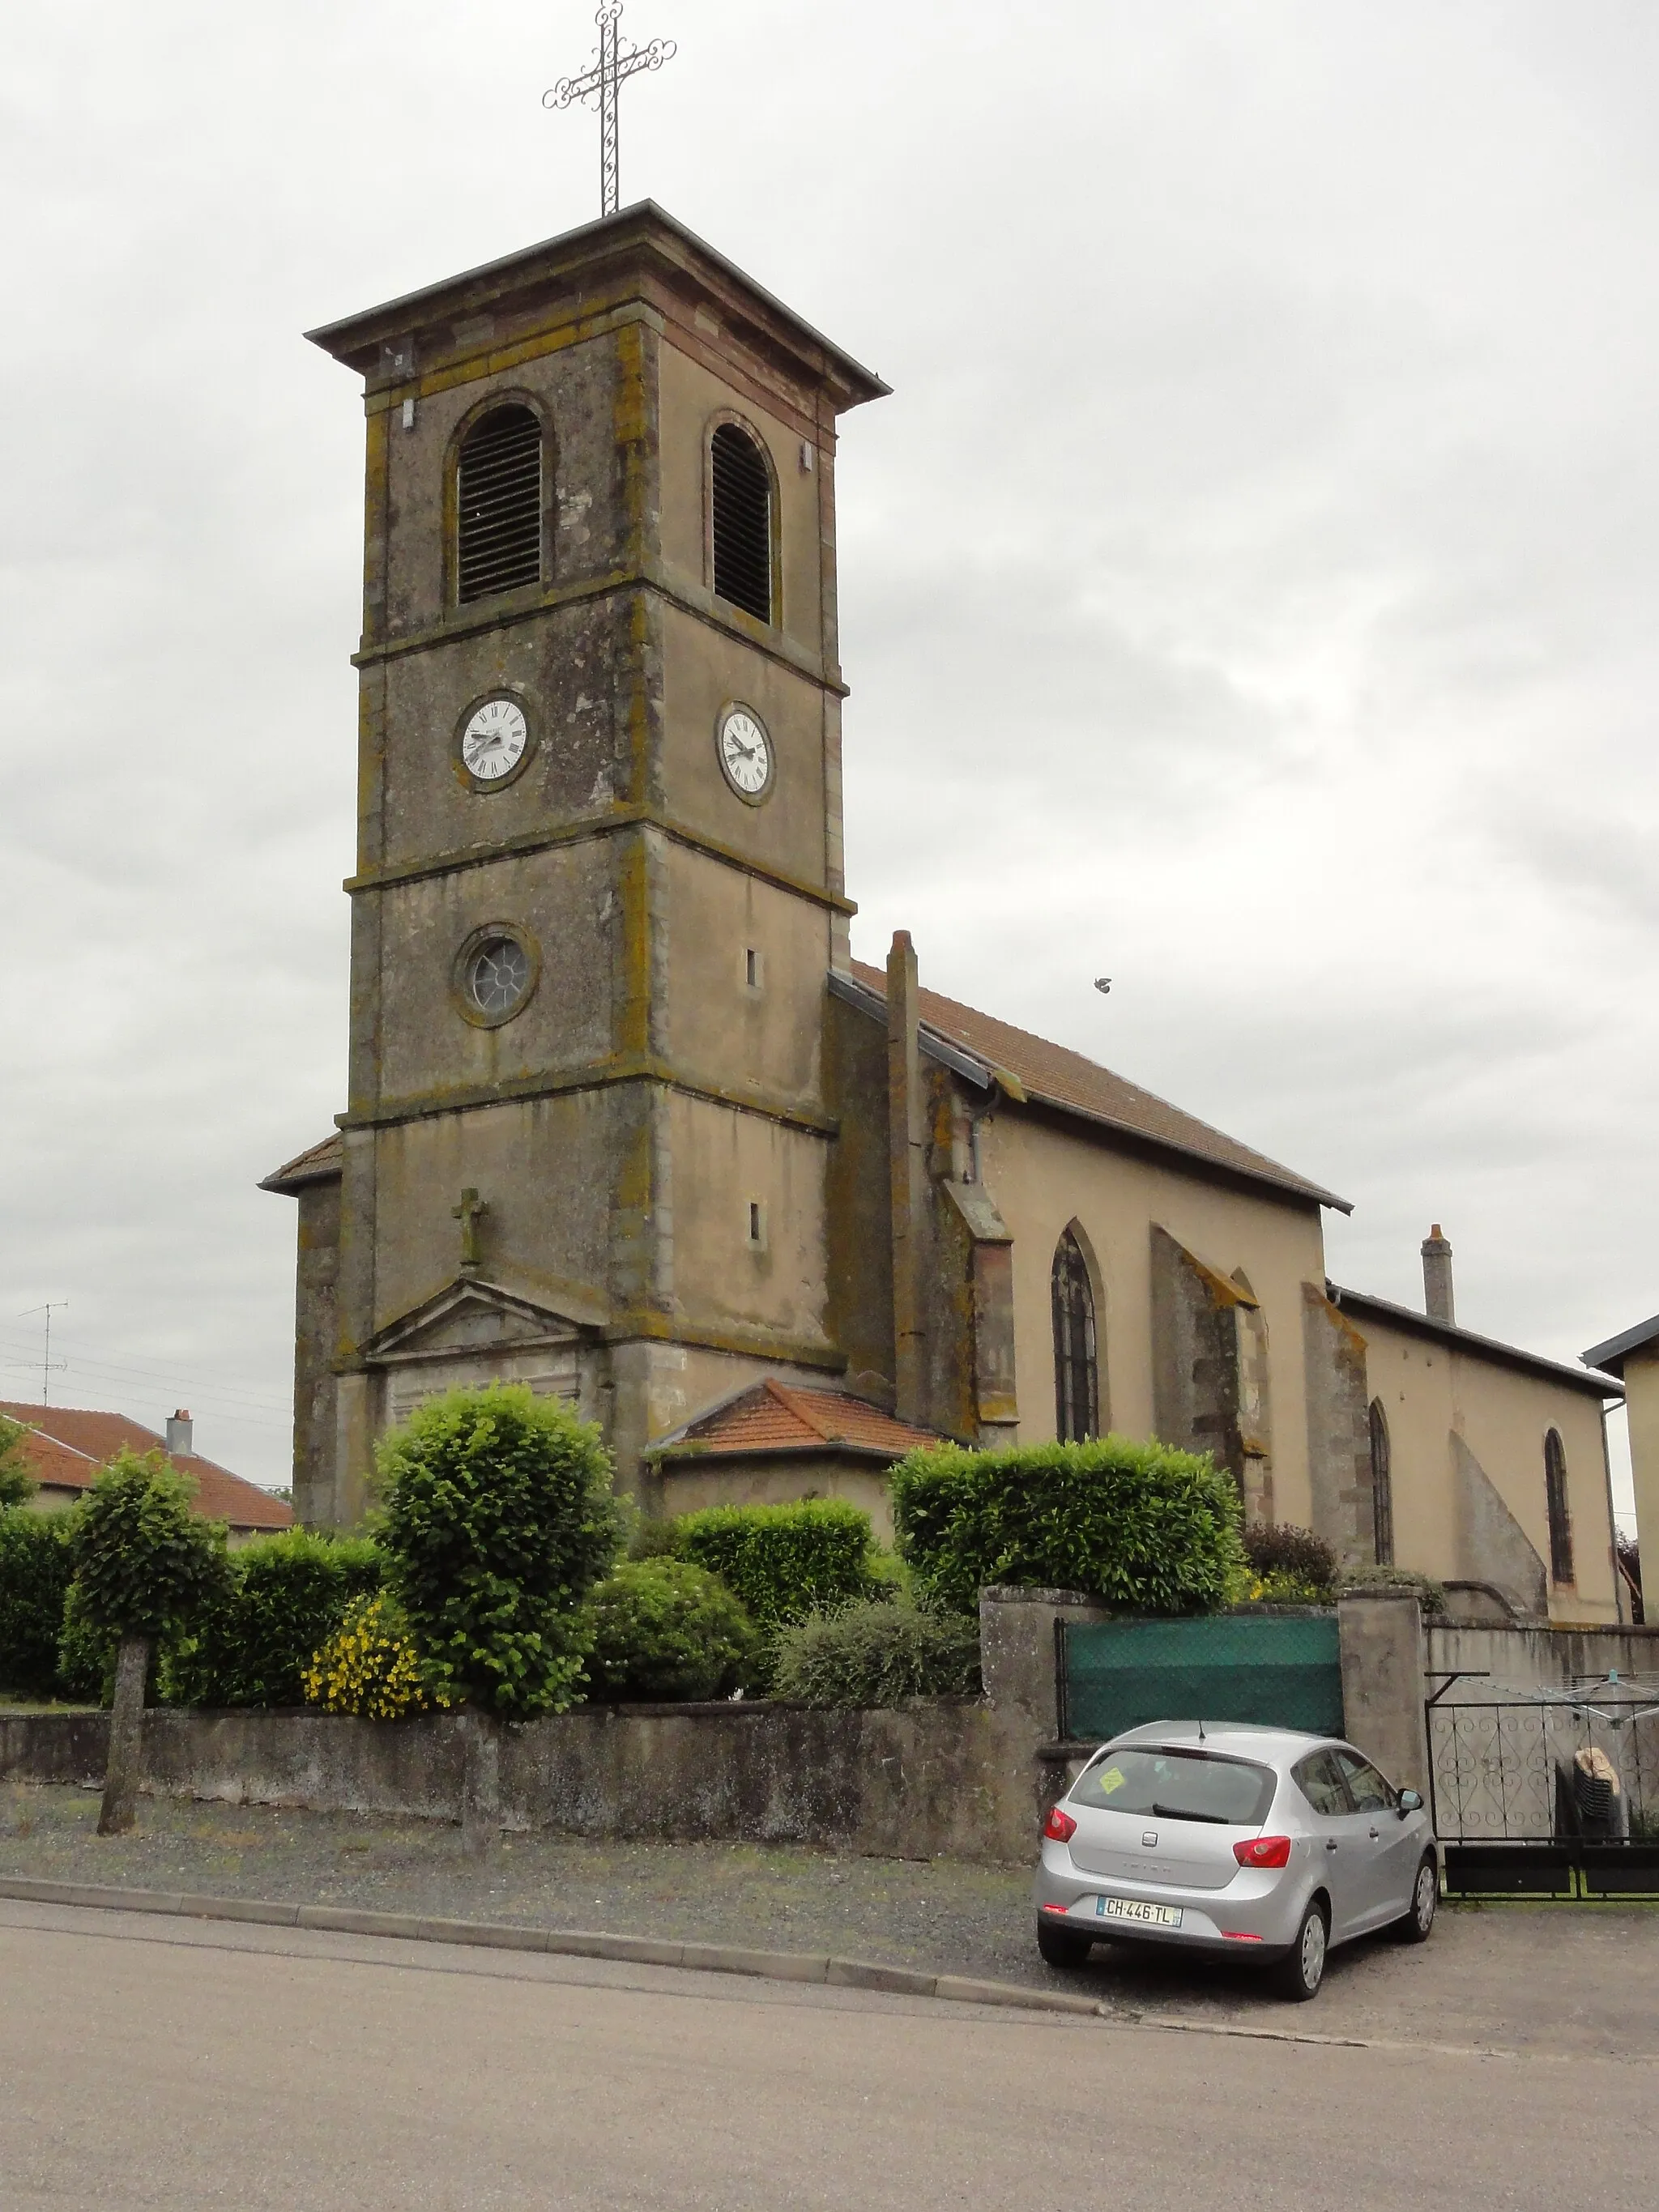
(1178, 1785)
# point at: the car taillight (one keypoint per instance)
(1264, 1851)
(1060, 1827)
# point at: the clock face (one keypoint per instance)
(493, 739)
(745, 751)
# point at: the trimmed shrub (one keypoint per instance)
(665, 1629)
(1282, 1552)
(35, 1569)
(1431, 1594)
(498, 1519)
(878, 1654)
(287, 1596)
(1144, 1527)
(783, 1562)
(144, 1562)
(370, 1666)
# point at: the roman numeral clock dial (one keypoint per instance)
(745, 753)
(493, 737)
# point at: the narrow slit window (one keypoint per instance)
(756, 1223)
(751, 968)
(1077, 1375)
(1382, 1487)
(1560, 1518)
(741, 502)
(498, 504)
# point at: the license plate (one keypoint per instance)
(1135, 1908)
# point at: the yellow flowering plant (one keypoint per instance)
(369, 1666)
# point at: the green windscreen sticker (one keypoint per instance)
(1110, 1780)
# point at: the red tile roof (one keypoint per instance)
(321, 1163)
(780, 1417)
(1056, 1075)
(66, 1447)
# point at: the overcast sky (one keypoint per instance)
(1247, 592)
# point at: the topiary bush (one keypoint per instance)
(783, 1562)
(665, 1629)
(497, 1520)
(1280, 1552)
(1144, 1527)
(145, 1562)
(878, 1654)
(369, 1665)
(286, 1596)
(35, 1571)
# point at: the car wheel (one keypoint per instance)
(1298, 1976)
(1061, 1947)
(1416, 1925)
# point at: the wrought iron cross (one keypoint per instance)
(466, 1213)
(600, 85)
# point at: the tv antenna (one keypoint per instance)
(49, 1366)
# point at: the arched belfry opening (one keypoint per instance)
(740, 504)
(1077, 1370)
(498, 503)
(1560, 1508)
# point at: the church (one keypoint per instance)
(627, 1122)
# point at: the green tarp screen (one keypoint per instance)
(1283, 1671)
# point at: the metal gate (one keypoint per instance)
(1546, 1794)
(1282, 1670)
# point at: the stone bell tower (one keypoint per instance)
(598, 881)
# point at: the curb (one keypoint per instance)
(565, 1943)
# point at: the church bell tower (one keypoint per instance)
(599, 883)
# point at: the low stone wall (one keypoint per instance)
(955, 1778)
(1513, 1657)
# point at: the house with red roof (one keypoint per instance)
(64, 1446)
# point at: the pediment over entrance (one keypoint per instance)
(474, 1332)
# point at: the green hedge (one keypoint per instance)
(1144, 1527)
(878, 1654)
(783, 1562)
(35, 1571)
(665, 1629)
(287, 1596)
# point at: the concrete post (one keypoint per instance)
(1017, 1665)
(1384, 1656)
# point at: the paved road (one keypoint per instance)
(186, 2067)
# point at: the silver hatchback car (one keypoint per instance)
(1238, 1841)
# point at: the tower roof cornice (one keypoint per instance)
(640, 253)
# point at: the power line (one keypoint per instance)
(171, 1377)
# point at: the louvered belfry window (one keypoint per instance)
(1077, 1374)
(1555, 1500)
(499, 498)
(1382, 1486)
(742, 503)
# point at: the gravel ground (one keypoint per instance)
(1558, 1980)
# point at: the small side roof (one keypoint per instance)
(1466, 1340)
(322, 1164)
(770, 1417)
(1053, 1075)
(1612, 1354)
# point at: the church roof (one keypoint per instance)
(1612, 1353)
(321, 1163)
(66, 1446)
(1053, 1075)
(772, 1417)
(1455, 1339)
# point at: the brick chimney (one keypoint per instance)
(1438, 1277)
(181, 1431)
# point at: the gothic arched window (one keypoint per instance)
(1077, 1376)
(1555, 1494)
(498, 503)
(740, 510)
(1382, 1487)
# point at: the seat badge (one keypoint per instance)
(1149, 1840)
